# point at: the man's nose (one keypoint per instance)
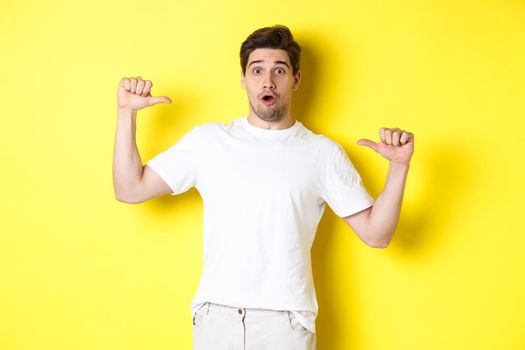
(268, 82)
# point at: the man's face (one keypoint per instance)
(269, 73)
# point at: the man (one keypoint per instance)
(264, 179)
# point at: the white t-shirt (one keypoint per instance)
(264, 193)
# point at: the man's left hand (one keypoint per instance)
(396, 145)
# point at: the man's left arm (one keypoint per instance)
(376, 225)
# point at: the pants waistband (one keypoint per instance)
(241, 311)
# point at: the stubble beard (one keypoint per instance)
(269, 113)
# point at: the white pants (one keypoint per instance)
(222, 327)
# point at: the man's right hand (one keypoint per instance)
(134, 94)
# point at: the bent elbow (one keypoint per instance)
(383, 243)
(379, 245)
(123, 199)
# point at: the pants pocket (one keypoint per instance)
(296, 326)
(199, 316)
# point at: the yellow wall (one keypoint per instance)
(80, 270)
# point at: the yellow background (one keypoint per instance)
(80, 270)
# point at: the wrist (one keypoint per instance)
(399, 165)
(126, 112)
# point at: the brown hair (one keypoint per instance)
(275, 37)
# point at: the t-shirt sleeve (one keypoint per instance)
(178, 165)
(342, 188)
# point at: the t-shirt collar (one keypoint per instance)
(261, 131)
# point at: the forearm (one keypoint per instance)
(127, 165)
(385, 212)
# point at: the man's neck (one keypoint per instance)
(283, 123)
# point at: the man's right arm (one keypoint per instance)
(133, 182)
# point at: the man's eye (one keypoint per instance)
(256, 70)
(280, 70)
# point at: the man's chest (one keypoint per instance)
(262, 170)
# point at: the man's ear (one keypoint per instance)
(243, 83)
(297, 79)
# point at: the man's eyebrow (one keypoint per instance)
(276, 62)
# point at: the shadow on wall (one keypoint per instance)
(447, 175)
(314, 79)
(423, 221)
(422, 228)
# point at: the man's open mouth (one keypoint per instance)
(268, 99)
